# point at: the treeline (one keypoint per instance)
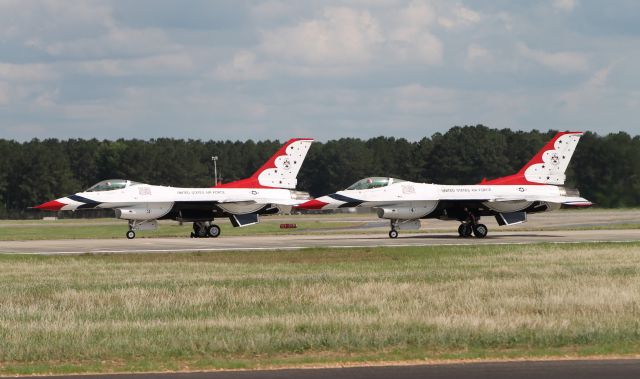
(606, 169)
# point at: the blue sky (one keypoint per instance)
(323, 69)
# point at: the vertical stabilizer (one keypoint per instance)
(548, 166)
(281, 170)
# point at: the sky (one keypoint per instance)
(323, 69)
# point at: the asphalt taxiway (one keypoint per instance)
(586, 369)
(302, 241)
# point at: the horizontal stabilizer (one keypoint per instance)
(577, 204)
(512, 218)
(244, 220)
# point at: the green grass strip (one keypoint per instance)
(152, 312)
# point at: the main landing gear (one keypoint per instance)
(471, 226)
(205, 229)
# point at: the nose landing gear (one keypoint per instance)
(140, 225)
(393, 233)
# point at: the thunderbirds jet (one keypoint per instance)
(242, 201)
(537, 187)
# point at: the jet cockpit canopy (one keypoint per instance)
(111, 184)
(373, 182)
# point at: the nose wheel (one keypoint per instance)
(135, 225)
(393, 233)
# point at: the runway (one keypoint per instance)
(303, 241)
(586, 369)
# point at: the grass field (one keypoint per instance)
(100, 313)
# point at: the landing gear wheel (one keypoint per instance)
(465, 230)
(131, 234)
(213, 231)
(200, 230)
(480, 230)
(393, 233)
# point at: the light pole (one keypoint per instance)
(214, 158)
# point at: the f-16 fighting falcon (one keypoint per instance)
(537, 187)
(242, 201)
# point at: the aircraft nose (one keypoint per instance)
(312, 204)
(53, 205)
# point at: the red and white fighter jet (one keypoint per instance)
(242, 201)
(537, 187)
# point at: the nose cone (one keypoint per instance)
(53, 205)
(312, 204)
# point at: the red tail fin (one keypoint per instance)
(280, 171)
(546, 167)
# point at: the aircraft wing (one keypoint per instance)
(572, 201)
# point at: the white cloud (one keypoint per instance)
(173, 64)
(117, 40)
(4, 93)
(412, 21)
(563, 62)
(587, 94)
(341, 36)
(47, 99)
(271, 10)
(364, 67)
(26, 72)
(564, 5)
(52, 19)
(633, 100)
(416, 98)
(478, 56)
(409, 38)
(423, 48)
(459, 16)
(77, 29)
(243, 66)
(506, 19)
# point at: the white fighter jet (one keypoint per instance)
(273, 185)
(537, 187)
